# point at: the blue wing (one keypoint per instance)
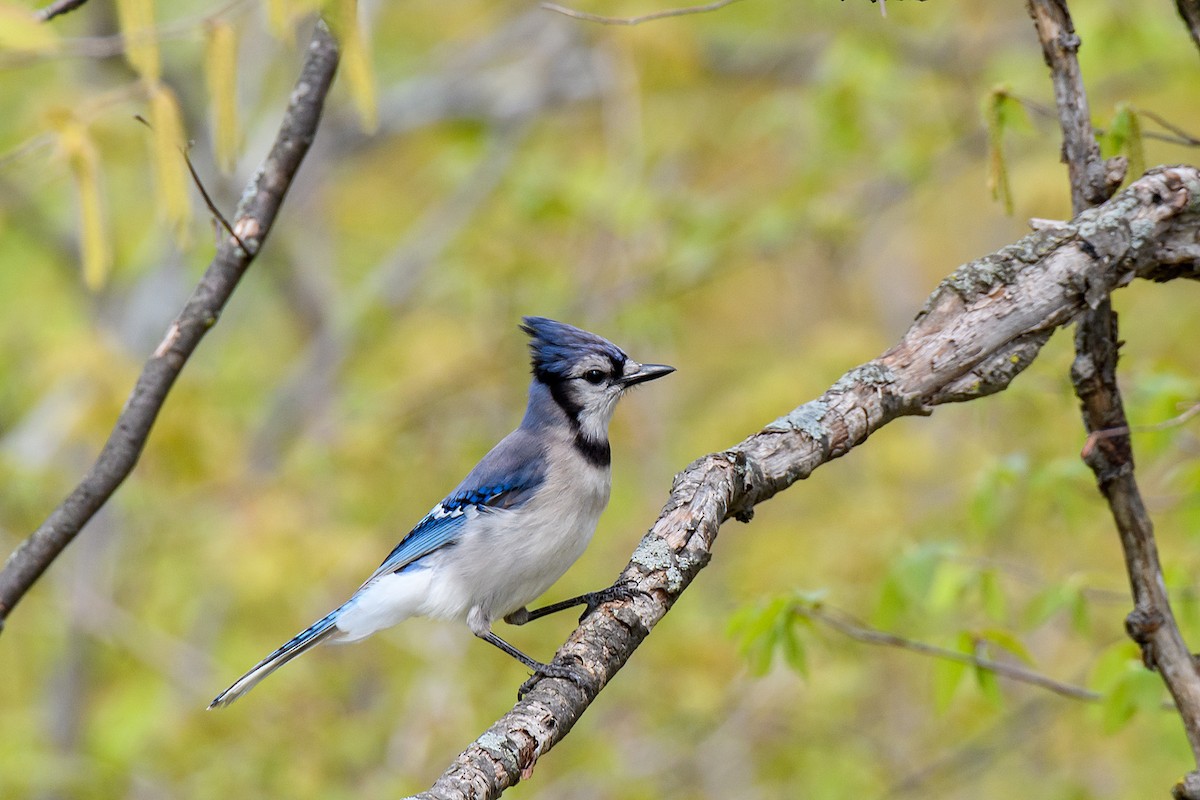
(505, 478)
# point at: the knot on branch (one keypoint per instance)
(747, 475)
(1188, 788)
(1115, 170)
(1141, 625)
(1069, 41)
(1176, 189)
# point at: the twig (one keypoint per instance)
(979, 329)
(115, 44)
(57, 8)
(846, 625)
(1177, 136)
(212, 208)
(1125, 430)
(670, 12)
(1184, 136)
(255, 216)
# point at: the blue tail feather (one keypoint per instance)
(300, 643)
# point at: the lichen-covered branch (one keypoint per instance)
(256, 213)
(979, 329)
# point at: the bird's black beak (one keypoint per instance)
(640, 373)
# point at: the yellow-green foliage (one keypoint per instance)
(763, 197)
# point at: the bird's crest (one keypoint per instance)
(557, 346)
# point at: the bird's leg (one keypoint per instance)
(618, 591)
(540, 670)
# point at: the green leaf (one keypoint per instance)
(996, 492)
(1080, 614)
(1007, 641)
(1113, 663)
(989, 685)
(794, 653)
(1047, 603)
(999, 109)
(763, 628)
(948, 585)
(893, 603)
(1124, 136)
(985, 679)
(947, 677)
(1138, 690)
(991, 595)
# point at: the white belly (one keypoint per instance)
(524, 552)
(508, 560)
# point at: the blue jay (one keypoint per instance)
(519, 519)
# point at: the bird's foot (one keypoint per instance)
(625, 590)
(573, 674)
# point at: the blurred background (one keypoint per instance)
(761, 196)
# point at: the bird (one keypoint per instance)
(514, 525)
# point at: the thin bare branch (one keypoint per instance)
(116, 44)
(212, 207)
(255, 216)
(670, 12)
(1125, 430)
(57, 8)
(1180, 135)
(847, 625)
(208, 201)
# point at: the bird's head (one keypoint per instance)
(585, 373)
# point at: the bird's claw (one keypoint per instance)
(618, 591)
(573, 674)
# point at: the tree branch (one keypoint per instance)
(854, 629)
(1190, 11)
(256, 213)
(59, 7)
(1090, 183)
(980, 328)
(1094, 375)
(670, 12)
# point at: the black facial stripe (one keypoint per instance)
(558, 390)
(597, 454)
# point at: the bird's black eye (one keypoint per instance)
(594, 376)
